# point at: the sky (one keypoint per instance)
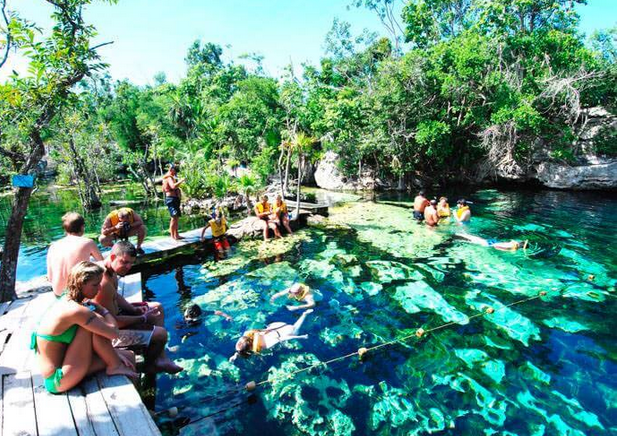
(151, 36)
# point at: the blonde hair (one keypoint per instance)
(80, 274)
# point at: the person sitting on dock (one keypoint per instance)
(443, 209)
(172, 192)
(73, 339)
(419, 204)
(120, 224)
(503, 246)
(218, 224)
(431, 218)
(297, 292)
(463, 213)
(67, 252)
(263, 211)
(256, 340)
(141, 324)
(282, 214)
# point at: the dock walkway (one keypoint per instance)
(99, 406)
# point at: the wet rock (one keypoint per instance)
(559, 176)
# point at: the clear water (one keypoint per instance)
(543, 367)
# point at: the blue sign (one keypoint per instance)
(23, 181)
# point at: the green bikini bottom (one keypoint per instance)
(52, 383)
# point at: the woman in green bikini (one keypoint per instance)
(74, 337)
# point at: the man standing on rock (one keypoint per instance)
(67, 252)
(419, 204)
(141, 324)
(172, 193)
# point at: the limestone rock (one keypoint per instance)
(602, 176)
(249, 227)
(328, 176)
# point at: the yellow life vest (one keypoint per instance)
(443, 212)
(280, 209)
(261, 208)
(460, 210)
(255, 346)
(300, 296)
(218, 229)
(113, 215)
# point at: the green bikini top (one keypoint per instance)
(65, 337)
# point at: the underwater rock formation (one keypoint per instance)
(418, 296)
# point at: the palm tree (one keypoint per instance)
(247, 184)
(301, 145)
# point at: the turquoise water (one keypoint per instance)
(543, 367)
(546, 366)
(43, 223)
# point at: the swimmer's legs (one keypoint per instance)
(298, 323)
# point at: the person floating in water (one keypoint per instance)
(419, 204)
(503, 246)
(443, 209)
(218, 224)
(298, 292)
(431, 218)
(463, 213)
(256, 340)
(193, 314)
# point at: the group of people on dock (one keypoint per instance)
(273, 217)
(90, 326)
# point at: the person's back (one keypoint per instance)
(67, 252)
(430, 214)
(419, 204)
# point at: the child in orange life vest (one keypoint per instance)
(218, 224)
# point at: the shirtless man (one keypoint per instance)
(263, 211)
(298, 292)
(431, 217)
(140, 324)
(67, 252)
(419, 204)
(120, 224)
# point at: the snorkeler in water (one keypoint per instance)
(297, 292)
(255, 340)
(503, 246)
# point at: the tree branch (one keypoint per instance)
(8, 34)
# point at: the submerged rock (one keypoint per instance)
(414, 297)
(387, 271)
(513, 323)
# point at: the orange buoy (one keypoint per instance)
(361, 352)
(591, 277)
(250, 386)
(489, 309)
(542, 293)
(420, 332)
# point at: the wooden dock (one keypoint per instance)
(162, 249)
(100, 405)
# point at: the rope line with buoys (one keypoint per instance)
(362, 351)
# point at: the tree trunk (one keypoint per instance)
(10, 253)
(88, 193)
(280, 171)
(286, 184)
(297, 212)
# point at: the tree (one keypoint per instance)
(302, 145)
(32, 102)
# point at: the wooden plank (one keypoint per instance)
(18, 405)
(53, 412)
(79, 409)
(17, 355)
(130, 287)
(15, 350)
(4, 307)
(11, 319)
(1, 404)
(128, 412)
(4, 334)
(98, 414)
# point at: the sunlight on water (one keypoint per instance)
(539, 368)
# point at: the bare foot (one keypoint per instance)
(167, 365)
(178, 237)
(121, 370)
